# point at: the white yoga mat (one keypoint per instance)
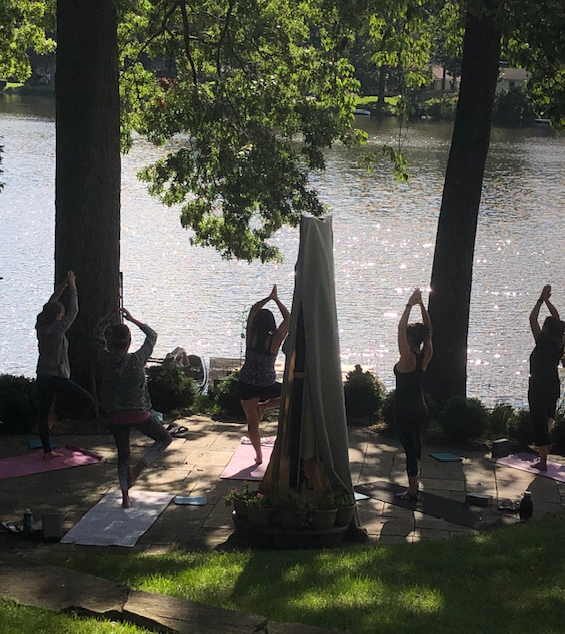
(109, 524)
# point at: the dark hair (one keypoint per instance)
(50, 312)
(119, 337)
(263, 326)
(417, 334)
(554, 328)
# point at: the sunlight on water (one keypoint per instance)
(384, 235)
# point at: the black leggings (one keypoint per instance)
(68, 398)
(152, 428)
(410, 426)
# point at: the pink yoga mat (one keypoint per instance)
(523, 461)
(242, 464)
(35, 463)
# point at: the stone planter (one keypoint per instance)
(322, 519)
(292, 519)
(260, 516)
(240, 508)
(344, 515)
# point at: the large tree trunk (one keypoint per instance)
(87, 191)
(452, 270)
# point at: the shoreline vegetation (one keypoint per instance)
(421, 108)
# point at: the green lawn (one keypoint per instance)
(507, 581)
(372, 99)
(15, 619)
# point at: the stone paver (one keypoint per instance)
(63, 590)
(192, 466)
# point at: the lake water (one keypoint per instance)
(384, 239)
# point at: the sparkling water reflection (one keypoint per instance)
(384, 239)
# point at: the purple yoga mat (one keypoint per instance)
(35, 463)
(523, 461)
(242, 464)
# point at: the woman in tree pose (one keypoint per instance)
(258, 388)
(415, 346)
(57, 394)
(544, 387)
(124, 395)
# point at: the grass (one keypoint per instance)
(373, 99)
(507, 581)
(16, 619)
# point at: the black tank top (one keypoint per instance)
(409, 394)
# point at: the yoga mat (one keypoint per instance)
(242, 464)
(109, 524)
(436, 506)
(191, 500)
(446, 457)
(523, 461)
(28, 464)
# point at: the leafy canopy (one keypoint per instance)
(24, 25)
(247, 94)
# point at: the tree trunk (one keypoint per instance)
(452, 270)
(87, 188)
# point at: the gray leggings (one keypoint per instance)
(150, 427)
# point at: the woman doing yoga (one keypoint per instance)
(258, 388)
(415, 346)
(544, 387)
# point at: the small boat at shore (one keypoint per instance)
(193, 365)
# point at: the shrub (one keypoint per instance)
(439, 108)
(500, 420)
(512, 108)
(463, 419)
(18, 404)
(388, 410)
(558, 434)
(169, 387)
(364, 393)
(226, 395)
(520, 429)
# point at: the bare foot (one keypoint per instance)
(49, 455)
(542, 466)
(259, 459)
(126, 502)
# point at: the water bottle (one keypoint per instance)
(526, 508)
(27, 524)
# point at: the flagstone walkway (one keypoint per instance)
(192, 466)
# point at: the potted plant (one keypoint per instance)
(259, 510)
(240, 498)
(345, 508)
(323, 514)
(293, 510)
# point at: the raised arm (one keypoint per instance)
(255, 309)
(58, 290)
(282, 330)
(534, 315)
(150, 336)
(552, 310)
(71, 310)
(403, 345)
(427, 348)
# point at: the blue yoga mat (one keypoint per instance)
(192, 500)
(446, 457)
